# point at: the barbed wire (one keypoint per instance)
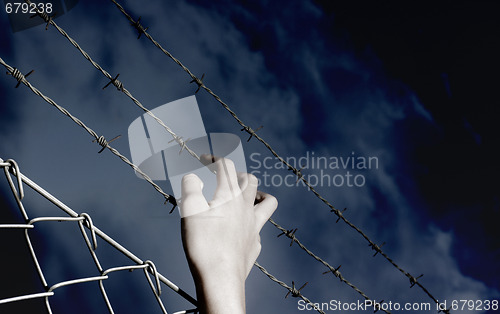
(177, 138)
(118, 84)
(84, 222)
(290, 233)
(246, 128)
(101, 140)
(297, 172)
(291, 290)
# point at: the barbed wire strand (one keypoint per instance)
(291, 234)
(83, 220)
(253, 133)
(100, 139)
(291, 290)
(118, 84)
(137, 102)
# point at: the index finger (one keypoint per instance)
(227, 180)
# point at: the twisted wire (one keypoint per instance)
(335, 271)
(100, 139)
(118, 84)
(291, 290)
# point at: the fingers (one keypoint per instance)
(248, 185)
(230, 184)
(192, 201)
(265, 206)
(227, 181)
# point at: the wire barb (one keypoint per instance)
(19, 76)
(139, 27)
(116, 83)
(376, 248)
(170, 199)
(250, 131)
(47, 18)
(198, 82)
(339, 213)
(294, 292)
(413, 280)
(298, 172)
(181, 142)
(289, 233)
(333, 271)
(101, 140)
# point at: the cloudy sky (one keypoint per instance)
(411, 86)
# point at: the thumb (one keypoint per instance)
(192, 200)
(265, 207)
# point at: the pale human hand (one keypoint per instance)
(222, 242)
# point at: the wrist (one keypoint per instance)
(220, 291)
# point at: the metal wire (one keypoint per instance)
(118, 84)
(101, 140)
(85, 223)
(291, 290)
(177, 138)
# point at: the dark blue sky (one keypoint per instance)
(444, 53)
(411, 84)
(447, 54)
